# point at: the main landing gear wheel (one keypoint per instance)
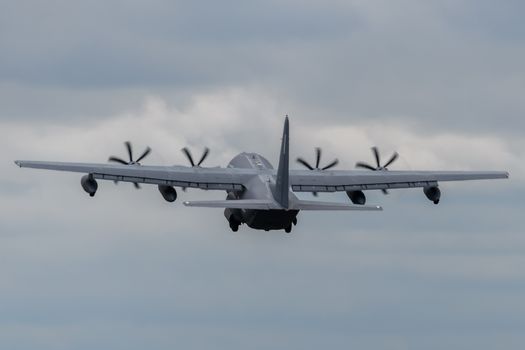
(234, 225)
(288, 229)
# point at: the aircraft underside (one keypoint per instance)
(262, 219)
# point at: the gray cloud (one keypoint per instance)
(158, 274)
(439, 81)
(441, 65)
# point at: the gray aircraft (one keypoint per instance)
(258, 195)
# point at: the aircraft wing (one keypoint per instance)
(181, 176)
(234, 179)
(359, 180)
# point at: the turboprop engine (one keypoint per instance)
(357, 197)
(433, 193)
(89, 184)
(168, 193)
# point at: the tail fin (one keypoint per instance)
(280, 192)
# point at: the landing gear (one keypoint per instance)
(436, 201)
(234, 225)
(288, 228)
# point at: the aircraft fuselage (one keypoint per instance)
(259, 187)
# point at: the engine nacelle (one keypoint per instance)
(357, 197)
(168, 193)
(433, 193)
(89, 184)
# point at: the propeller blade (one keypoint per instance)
(130, 151)
(317, 157)
(305, 163)
(376, 156)
(117, 160)
(331, 165)
(146, 152)
(186, 151)
(315, 194)
(392, 159)
(364, 166)
(204, 156)
(137, 186)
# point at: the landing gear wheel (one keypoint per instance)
(436, 201)
(288, 229)
(234, 225)
(294, 221)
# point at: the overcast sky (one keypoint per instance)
(441, 82)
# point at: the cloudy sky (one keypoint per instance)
(441, 82)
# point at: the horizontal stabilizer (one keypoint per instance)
(236, 204)
(269, 205)
(318, 205)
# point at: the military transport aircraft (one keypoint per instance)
(257, 194)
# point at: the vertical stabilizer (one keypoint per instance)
(281, 189)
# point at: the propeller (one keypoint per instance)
(379, 167)
(317, 163)
(205, 154)
(131, 161)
